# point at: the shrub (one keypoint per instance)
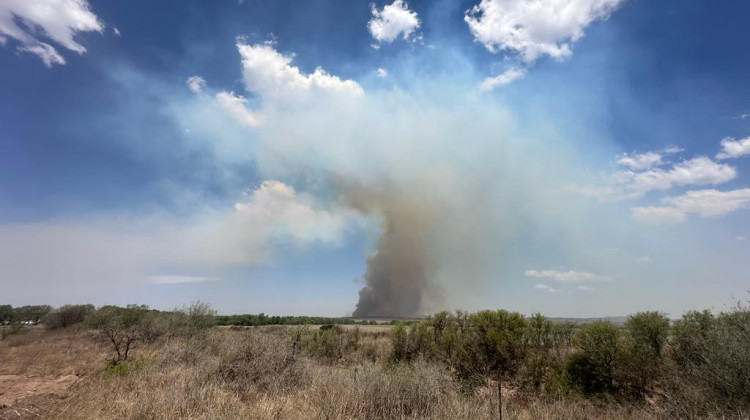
(598, 347)
(712, 375)
(31, 314)
(6, 314)
(540, 341)
(66, 316)
(121, 327)
(642, 360)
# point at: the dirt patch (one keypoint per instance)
(16, 387)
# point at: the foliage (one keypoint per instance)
(598, 349)
(6, 314)
(642, 363)
(66, 315)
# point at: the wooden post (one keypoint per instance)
(499, 400)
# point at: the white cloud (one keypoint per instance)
(542, 286)
(235, 105)
(711, 203)
(57, 20)
(381, 73)
(392, 21)
(569, 276)
(116, 31)
(270, 73)
(196, 84)
(532, 28)
(706, 203)
(732, 148)
(46, 52)
(697, 171)
(508, 76)
(658, 214)
(585, 288)
(740, 238)
(172, 279)
(640, 161)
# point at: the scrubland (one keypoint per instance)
(446, 367)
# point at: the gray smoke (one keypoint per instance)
(400, 280)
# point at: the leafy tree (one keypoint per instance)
(540, 339)
(689, 336)
(642, 362)
(593, 365)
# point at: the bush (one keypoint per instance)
(642, 361)
(598, 347)
(121, 327)
(67, 315)
(6, 314)
(712, 355)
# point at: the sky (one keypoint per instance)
(580, 158)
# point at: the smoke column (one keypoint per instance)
(399, 281)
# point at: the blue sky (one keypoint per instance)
(574, 157)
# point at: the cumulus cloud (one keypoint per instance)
(706, 203)
(640, 161)
(270, 74)
(535, 28)
(711, 203)
(392, 21)
(733, 148)
(381, 73)
(569, 276)
(542, 286)
(58, 21)
(645, 177)
(196, 84)
(236, 106)
(696, 171)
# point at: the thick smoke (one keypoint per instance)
(399, 281)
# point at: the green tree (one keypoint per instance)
(598, 347)
(540, 339)
(643, 363)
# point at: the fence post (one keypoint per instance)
(499, 400)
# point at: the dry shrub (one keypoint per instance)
(376, 392)
(261, 362)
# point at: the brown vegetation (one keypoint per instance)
(446, 367)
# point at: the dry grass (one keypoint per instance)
(257, 374)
